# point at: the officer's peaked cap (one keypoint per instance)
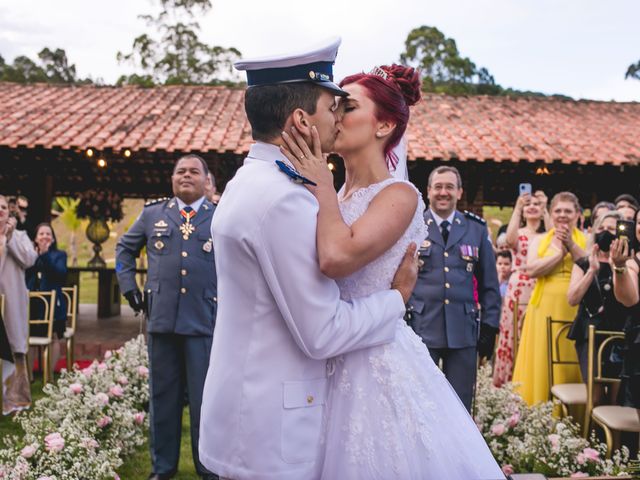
(313, 65)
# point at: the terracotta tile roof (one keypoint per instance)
(206, 119)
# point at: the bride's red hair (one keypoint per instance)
(393, 96)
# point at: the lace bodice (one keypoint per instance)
(378, 274)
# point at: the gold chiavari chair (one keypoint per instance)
(71, 296)
(517, 324)
(43, 343)
(608, 417)
(566, 393)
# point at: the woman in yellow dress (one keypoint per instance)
(550, 261)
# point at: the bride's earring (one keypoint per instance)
(378, 134)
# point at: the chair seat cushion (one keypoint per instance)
(39, 341)
(68, 332)
(617, 418)
(570, 393)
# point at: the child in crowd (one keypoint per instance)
(503, 264)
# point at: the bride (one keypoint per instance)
(392, 414)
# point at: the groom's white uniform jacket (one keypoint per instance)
(279, 319)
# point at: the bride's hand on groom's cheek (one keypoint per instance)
(310, 162)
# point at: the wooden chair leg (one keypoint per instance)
(69, 353)
(45, 365)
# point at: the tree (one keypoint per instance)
(442, 67)
(177, 55)
(71, 221)
(53, 67)
(633, 71)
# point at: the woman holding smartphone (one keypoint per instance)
(626, 266)
(525, 223)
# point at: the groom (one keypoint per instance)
(279, 318)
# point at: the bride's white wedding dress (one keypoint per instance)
(392, 413)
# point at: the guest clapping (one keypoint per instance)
(49, 273)
(591, 288)
(16, 255)
(550, 260)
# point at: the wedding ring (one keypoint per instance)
(302, 157)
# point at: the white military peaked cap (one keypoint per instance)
(314, 65)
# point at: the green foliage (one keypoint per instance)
(174, 53)
(633, 71)
(52, 67)
(442, 67)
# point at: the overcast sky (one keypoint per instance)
(579, 48)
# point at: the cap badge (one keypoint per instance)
(312, 75)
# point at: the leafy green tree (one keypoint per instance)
(67, 207)
(443, 69)
(633, 71)
(52, 67)
(174, 53)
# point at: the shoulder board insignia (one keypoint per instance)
(473, 216)
(293, 175)
(155, 201)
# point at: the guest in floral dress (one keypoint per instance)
(526, 222)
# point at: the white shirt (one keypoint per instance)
(439, 219)
(195, 205)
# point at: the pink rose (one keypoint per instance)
(122, 380)
(579, 475)
(75, 388)
(498, 429)
(507, 469)
(28, 451)
(581, 459)
(143, 371)
(138, 418)
(102, 398)
(104, 421)
(554, 439)
(591, 454)
(53, 442)
(116, 391)
(102, 367)
(87, 372)
(513, 420)
(89, 443)
(107, 355)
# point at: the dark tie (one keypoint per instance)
(444, 228)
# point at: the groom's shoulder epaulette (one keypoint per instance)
(474, 217)
(156, 201)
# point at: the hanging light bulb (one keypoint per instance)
(102, 163)
(127, 153)
(89, 152)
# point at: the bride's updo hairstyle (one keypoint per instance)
(393, 88)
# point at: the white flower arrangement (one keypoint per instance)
(86, 423)
(527, 439)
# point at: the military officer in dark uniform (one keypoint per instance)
(442, 309)
(181, 305)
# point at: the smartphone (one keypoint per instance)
(624, 229)
(524, 188)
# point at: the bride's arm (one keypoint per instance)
(344, 249)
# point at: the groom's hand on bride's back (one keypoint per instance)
(405, 278)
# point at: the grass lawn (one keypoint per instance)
(136, 466)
